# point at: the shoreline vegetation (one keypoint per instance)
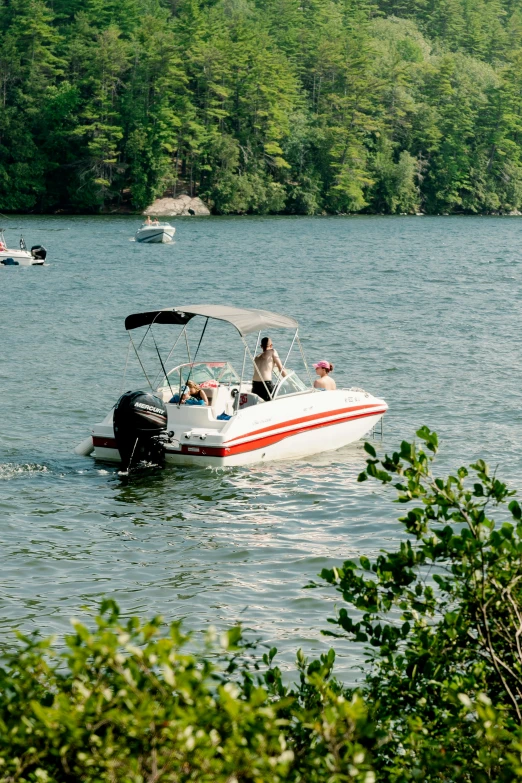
(262, 106)
(441, 699)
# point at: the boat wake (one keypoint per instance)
(10, 470)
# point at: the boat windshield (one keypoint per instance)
(290, 384)
(211, 373)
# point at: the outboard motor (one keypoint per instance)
(39, 252)
(140, 419)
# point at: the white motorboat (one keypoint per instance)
(155, 233)
(21, 256)
(237, 427)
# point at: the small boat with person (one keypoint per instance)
(21, 256)
(154, 232)
(229, 424)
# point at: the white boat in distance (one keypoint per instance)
(157, 233)
(237, 427)
(21, 256)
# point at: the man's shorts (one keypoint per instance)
(263, 389)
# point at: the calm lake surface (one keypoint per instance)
(422, 311)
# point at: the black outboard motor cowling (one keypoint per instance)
(140, 419)
(39, 252)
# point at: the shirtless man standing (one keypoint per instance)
(264, 364)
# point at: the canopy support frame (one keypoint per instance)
(141, 363)
(191, 364)
(178, 338)
(304, 362)
(290, 349)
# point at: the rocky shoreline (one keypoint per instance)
(185, 206)
(174, 207)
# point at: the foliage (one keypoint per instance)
(129, 703)
(262, 105)
(441, 618)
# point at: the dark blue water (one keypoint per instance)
(423, 311)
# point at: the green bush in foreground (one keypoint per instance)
(126, 703)
(441, 618)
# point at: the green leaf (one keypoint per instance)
(370, 449)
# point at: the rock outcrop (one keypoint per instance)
(181, 205)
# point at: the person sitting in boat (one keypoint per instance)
(155, 222)
(191, 394)
(195, 394)
(148, 222)
(324, 382)
(176, 398)
(3, 247)
(262, 384)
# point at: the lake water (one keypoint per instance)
(422, 311)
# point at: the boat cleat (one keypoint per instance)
(200, 434)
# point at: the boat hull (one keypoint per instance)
(328, 437)
(286, 429)
(154, 235)
(21, 257)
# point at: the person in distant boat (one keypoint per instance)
(324, 382)
(148, 222)
(264, 364)
(155, 222)
(196, 392)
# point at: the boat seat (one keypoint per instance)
(247, 399)
(210, 391)
(220, 401)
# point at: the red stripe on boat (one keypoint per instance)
(104, 443)
(311, 417)
(261, 443)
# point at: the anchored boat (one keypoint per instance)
(21, 256)
(155, 233)
(237, 427)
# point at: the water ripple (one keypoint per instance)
(424, 312)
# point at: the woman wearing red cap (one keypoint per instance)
(324, 381)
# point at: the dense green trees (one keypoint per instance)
(262, 105)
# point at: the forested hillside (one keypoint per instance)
(297, 106)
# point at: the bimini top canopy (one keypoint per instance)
(245, 321)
